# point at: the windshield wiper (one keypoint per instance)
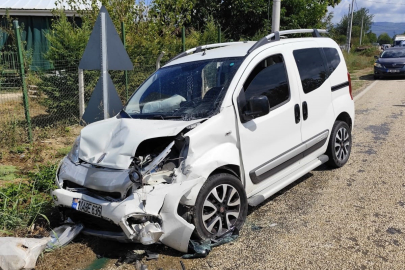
(163, 117)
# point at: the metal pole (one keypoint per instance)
(361, 30)
(219, 34)
(25, 93)
(348, 27)
(125, 72)
(81, 93)
(104, 70)
(275, 22)
(351, 25)
(158, 60)
(183, 38)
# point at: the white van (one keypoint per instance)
(218, 128)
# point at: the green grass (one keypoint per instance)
(24, 202)
(63, 151)
(8, 172)
(356, 61)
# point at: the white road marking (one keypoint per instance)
(365, 91)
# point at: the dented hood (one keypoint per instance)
(118, 139)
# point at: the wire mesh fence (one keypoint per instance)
(53, 92)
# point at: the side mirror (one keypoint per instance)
(376, 57)
(258, 106)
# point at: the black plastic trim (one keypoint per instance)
(316, 33)
(257, 179)
(297, 113)
(180, 55)
(304, 110)
(340, 86)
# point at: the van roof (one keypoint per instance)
(232, 50)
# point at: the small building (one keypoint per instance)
(35, 19)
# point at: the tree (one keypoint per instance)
(244, 18)
(358, 16)
(371, 37)
(384, 38)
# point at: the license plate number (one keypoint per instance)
(393, 70)
(87, 207)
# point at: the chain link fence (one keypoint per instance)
(53, 92)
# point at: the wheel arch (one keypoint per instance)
(345, 117)
(229, 168)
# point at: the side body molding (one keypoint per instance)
(287, 158)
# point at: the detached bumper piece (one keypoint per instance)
(136, 228)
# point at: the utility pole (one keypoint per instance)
(348, 27)
(351, 25)
(361, 30)
(275, 21)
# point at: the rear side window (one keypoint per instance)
(269, 78)
(332, 58)
(311, 67)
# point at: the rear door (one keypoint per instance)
(315, 98)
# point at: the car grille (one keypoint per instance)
(387, 65)
(110, 196)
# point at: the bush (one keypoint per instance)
(355, 61)
(22, 203)
(67, 44)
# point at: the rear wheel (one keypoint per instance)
(340, 144)
(220, 206)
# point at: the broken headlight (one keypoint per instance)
(74, 153)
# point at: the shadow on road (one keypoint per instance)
(368, 77)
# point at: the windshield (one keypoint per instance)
(393, 54)
(185, 91)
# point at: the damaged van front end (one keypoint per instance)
(136, 177)
(133, 204)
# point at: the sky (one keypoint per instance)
(383, 10)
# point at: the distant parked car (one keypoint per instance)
(386, 46)
(390, 63)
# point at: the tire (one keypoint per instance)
(376, 77)
(214, 215)
(340, 144)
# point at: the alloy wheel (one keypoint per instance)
(221, 209)
(342, 144)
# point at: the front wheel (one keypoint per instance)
(340, 144)
(220, 206)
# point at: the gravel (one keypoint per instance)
(347, 218)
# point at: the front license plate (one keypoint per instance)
(86, 207)
(393, 70)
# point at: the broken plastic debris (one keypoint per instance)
(63, 235)
(131, 257)
(151, 255)
(202, 249)
(20, 253)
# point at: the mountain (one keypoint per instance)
(388, 27)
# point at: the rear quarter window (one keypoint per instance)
(332, 58)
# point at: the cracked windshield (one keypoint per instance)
(184, 91)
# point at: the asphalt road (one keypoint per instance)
(347, 218)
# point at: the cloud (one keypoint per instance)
(383, 10)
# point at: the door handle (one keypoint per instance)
(304, 110)
(297, 113)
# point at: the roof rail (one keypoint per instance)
(200, 48)
(276, 36)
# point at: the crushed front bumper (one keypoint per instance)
(156, 220)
